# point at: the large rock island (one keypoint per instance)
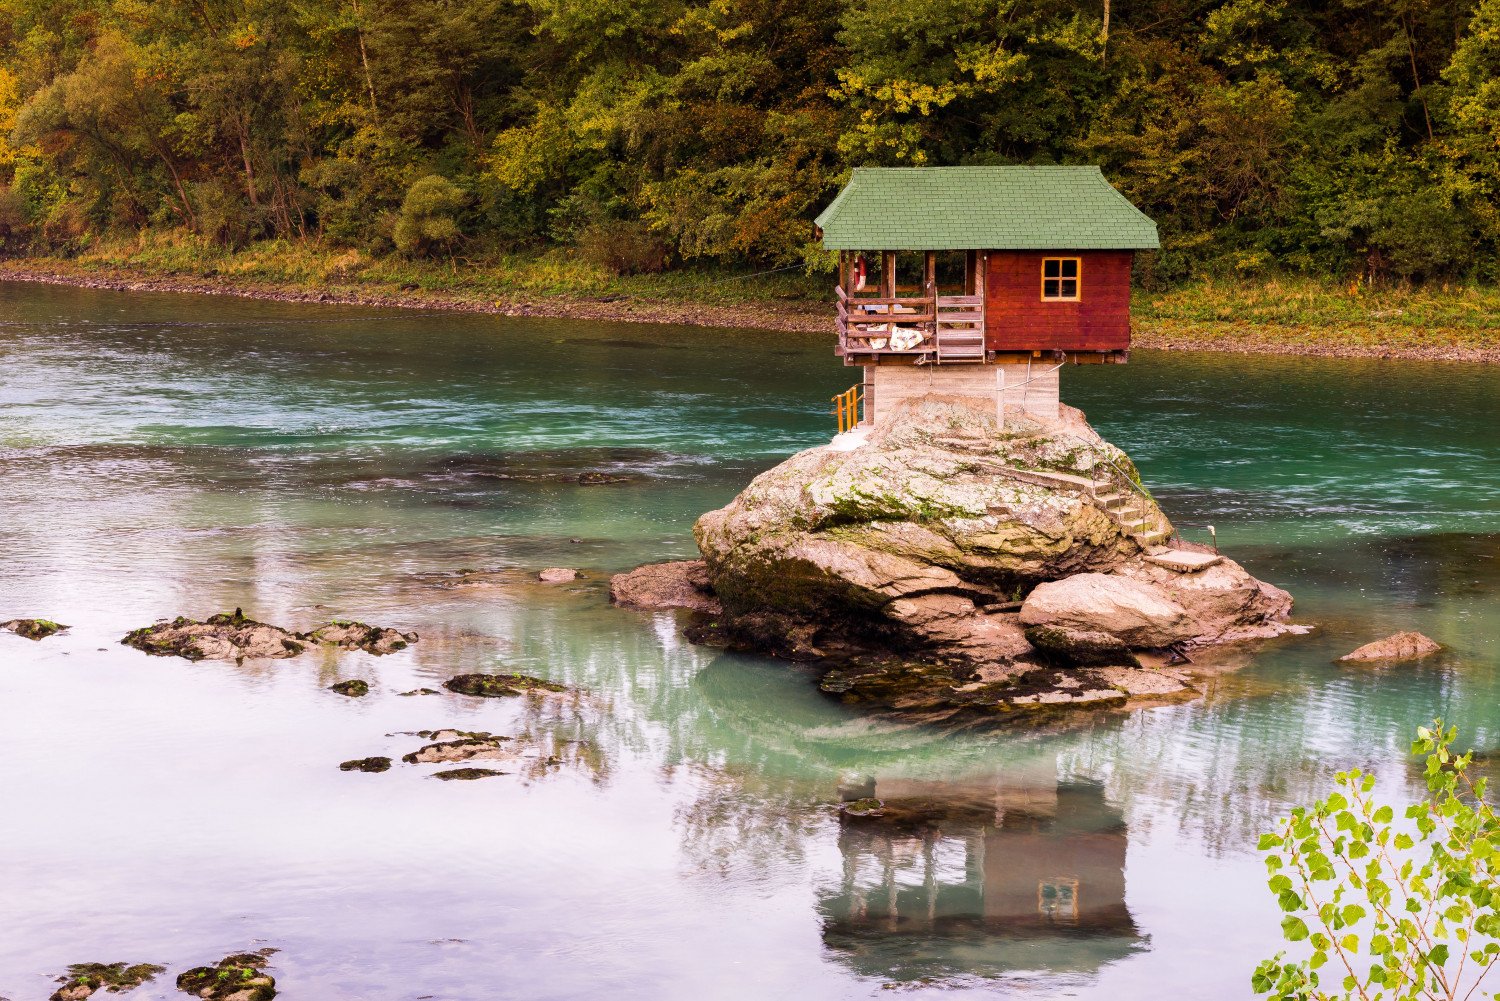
(943, 563)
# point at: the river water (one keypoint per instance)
(187, 455)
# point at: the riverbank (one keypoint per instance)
(1284, 316)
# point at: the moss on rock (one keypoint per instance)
(493, 686)
(33, 629)
(83, 980)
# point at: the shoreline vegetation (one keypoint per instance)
(1291, 315)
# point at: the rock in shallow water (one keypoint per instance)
(240, 977)
(33, 629)
(226, 636)
(1397, 647)
(234, 636)
(496, 686)
(378, 640)
(557, 575)
(84, 979)
(353, 688)
(373, 764)
(465, 774)
(678, 584)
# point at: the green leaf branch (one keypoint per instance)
(1399, 908)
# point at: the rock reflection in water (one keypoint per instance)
(988, 877)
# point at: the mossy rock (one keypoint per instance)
(419, 691)
(375, 764)
(869, 806)
(240, 977)
(494, 686)
(465, 774)
(354, 688)
(84, 979)
(33, 629)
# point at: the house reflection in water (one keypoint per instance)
(981, 878)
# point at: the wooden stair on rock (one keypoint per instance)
(959, 328)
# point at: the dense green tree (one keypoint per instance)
(1355, 138)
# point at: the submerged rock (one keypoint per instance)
(557, 575)
(465, 774)
(499, 685)
(1397, 647)
(374, 764)
(240, 977)
(33, 629)
(354, 688)
(360, 636)
(419, 691)
(679, 584)
(83, 980)
(226, 636)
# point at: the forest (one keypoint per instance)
(1350, 140)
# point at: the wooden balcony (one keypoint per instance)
(923, 329)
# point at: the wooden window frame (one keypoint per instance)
(1077, 295)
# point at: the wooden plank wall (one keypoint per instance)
(1018, 319)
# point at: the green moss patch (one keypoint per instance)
(493, 686)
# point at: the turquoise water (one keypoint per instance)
(186, 455)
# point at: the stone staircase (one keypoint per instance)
(1112, 492)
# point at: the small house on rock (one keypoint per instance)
(979, 282)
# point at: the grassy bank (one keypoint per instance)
(1287, 315)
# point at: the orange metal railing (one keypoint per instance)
(846, 407)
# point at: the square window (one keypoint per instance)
(1061, 278)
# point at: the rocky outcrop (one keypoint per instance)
(679, 584)
(83, 980)
(938, 499)
(495, 686)
(224, 636)
(240, 977)
(1397, 647)
(33, 629)
(948, 563)
(234, 636)
(378, 640)
(377, 763)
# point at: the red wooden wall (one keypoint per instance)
(1018, 319)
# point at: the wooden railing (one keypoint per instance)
(846, 407)
(911, 325)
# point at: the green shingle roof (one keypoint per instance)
(983, 208)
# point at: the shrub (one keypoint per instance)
(1399, 909)
(428, 220)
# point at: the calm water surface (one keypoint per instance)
(165, 456)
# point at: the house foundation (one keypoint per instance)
(1030, 388)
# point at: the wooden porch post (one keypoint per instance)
(929, 273)
(888, 274)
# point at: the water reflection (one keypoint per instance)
(993, 876)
